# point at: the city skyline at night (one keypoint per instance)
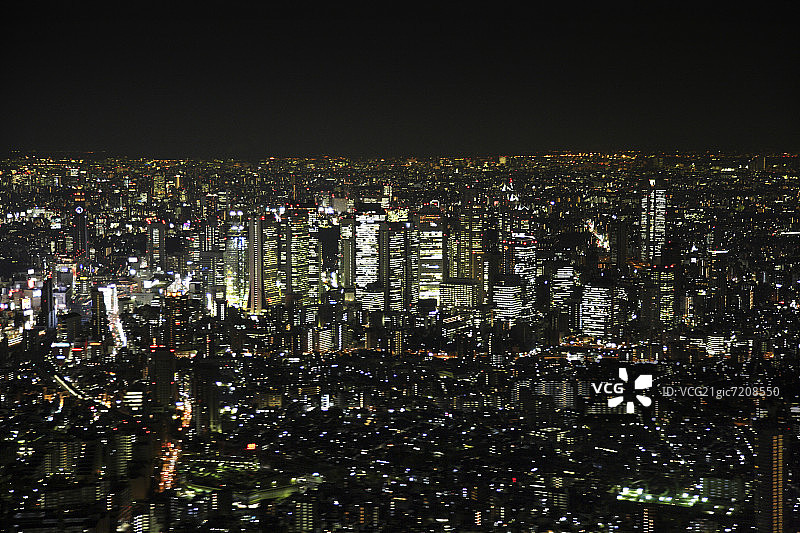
(439, 271)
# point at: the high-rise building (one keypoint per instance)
(659, 298)
(157, 246)
(431, 253)
(315, 287)
(263, 242)
(296, 261)
(771, 477)
(80, 229)
(177, 314)
(563, 286)
(206, 398)
(508, 297)
(653, 222)
(596, 310)
(367, 262)
(347, 253)
(236, 265)
(399, 265)
(47, 315)
(162, 378)
(99, 316)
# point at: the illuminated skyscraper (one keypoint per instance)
(595, 310)
(236, 265)
(347, 252)
(563, 286)
(177, 314)
(771, 477)
(431, 253)
(157, 246)
(99, 316)
(653, 222)
(315, 288)
(367, 229)
(660, 295)
(296, 261)
(399, 265)
(264, 290)
(80, 235)
(508, 297)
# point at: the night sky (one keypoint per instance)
(421, 83)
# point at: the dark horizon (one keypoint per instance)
(595, 81)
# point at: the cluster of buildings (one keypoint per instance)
(329, 344)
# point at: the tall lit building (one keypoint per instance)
(653, 222)
(99, 316)
(80, 229)
(367, 229)
(518, 257)
(399, 265)
(177, 314)
(315, 287)
(595, 310)
(771, 477)
(660, 295)
(509, 300)
(563, 286)
(431, 253)
(157, 246)
(465, 252)
(296, 260)
(264, 290)
(347, 252)
(236, 265)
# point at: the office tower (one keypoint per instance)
(465, 248)
(120, 448)
(176, 315)
(347, 253)
(518, 257)
(659, 301)
(653, 222)
(563, 286)
(80, 230)
(431, 253)
(619, 237)
(162, 378)
(296, 261)
(399, 265)
(47, 315)
(263, 242)
(212, 267)
(157, 246)
(99, 316)
(315, 287)
(206, 398)
(457, 293)
(595, 312)
(236, 265)
(771, 477)
(159, 186)
(386, 197)
(508, 298)
(367, 229)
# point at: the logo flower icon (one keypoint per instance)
(645, 381)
